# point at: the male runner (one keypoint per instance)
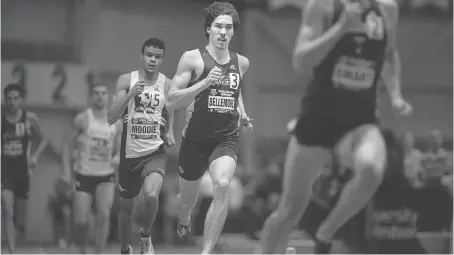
(347, 44)
(140, 99)
(96, 143)
(19, 127)
(208, 84)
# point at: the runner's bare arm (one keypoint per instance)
(244, 66)
(392, 67)
(120, 99)
(117, 140)
(313, 43)
(179, 95)
(79, 124)
(34, 121)
(171, 112)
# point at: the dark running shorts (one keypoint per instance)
(15, 177)
(325, 132)
(132, 171)
(88, 184)
(196, 156)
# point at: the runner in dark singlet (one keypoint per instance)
(19, 127)
(208, 84)
(347, 44)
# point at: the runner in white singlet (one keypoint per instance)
(96, 144)
(147, 130)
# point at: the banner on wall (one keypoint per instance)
(49, 84)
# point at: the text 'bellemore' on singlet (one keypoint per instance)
(344, 85)
(95, 147)
(214, 113)
(144, 131)
(15, 140)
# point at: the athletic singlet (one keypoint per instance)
(15, 139)
(214, 112)
(144, 131)
(344, 85)
(95, 147)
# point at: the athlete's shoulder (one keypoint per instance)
(123, 79)
(81, 119)
(191, 56)
(243, 62)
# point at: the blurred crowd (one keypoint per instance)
(426, 171)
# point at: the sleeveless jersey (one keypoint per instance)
(344, 85)
(95, 147)
(144, 131)
(15, 140)
(214, 112)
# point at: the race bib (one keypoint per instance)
(353, 77)
(99, 150)
(221, 103)
(144, 129)
(12, 148)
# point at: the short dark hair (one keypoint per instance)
(97, 85)
(14, 87)
(219, 8)
(154, 42)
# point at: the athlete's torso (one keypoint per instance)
(214, 113)
(144, 131)
(15, 139)
(345, 83)
(95, 147)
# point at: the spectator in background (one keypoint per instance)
(413, 170)
(435, 161)
(262, 197)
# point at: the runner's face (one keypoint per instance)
(100, 97)
(13, 101)
(221, 31)
(152, 58)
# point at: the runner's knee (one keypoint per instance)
(221, 188)
(370, 160)
(127, 205)
(188, 201)
(152, 186)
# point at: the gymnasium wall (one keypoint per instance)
(105, 37)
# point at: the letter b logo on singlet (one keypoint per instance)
(146, 102)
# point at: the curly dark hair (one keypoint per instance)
(220, 8)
